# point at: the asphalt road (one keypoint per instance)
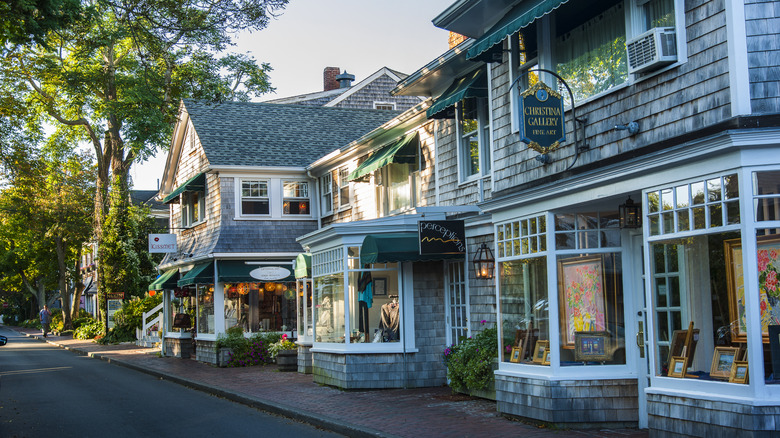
(46, 391)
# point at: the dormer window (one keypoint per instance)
(193, 208)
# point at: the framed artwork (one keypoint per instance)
(722, 361)
(768, 255)
(592, 346)
(525, 340)
(517, 355)
(678, 366)
(739, 372)
(546, 357)
(581, 297)
(678, 342)
(540, 351)
(380, 286)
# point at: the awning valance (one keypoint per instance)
(396, 247)
(403, 150)
(238, 271)
(518, 18)
(194, 184)
(303, 266)
(473, 84)
(201, 273)
(166, 280)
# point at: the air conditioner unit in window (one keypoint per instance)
(652, 50)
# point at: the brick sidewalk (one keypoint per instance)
(419, 412)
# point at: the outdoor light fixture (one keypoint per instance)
(630, 214)
(484, 262)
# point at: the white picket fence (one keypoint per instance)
(151, 326)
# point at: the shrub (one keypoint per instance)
(247, 351)
(129, 318)
(89, 330)
(281, 344)
(470, 364)
(31, 323)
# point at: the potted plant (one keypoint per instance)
(286, 354)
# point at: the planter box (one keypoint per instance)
(287, 360)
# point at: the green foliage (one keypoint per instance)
(89, 329)
(247, 351)
(281, 344)
(31, 323)
(470, 364)
(129, 318)
(26, 21)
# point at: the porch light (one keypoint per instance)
(484, 262)
(630, 214)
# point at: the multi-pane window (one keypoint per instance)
(193, 208)
(473, 135)
(344, 187)
(326, 184)
(698, 205)
(384, 105)
(522, 237)
(458, 306)
(656, 13)
(587, 230)
(295, 197)
(254, 197)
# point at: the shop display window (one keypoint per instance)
(304, 304)
(375, 312)
(256, 307)
(182, 303)
(329, 308)
(205, 301)
(524, 311)
(590, 300)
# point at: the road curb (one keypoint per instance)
(332, 425)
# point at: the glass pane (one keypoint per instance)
(501, 249)
(652, 202)
(699, 218)
(610, 220)
(564, 222)
(682, 196)
(668, 219)
(683, 221)
(655, 228)
(676, 321)
(663, 327)
(500, 232)
(672, 258)
(589, 239)
(674, 291)
(524, 245)
(205, 319)
(524, 228)
(329, 309)
(732, 213)
(713, 190)
(523, 308)
(766, 183)
(716, 215)
(254, 207)
(516, 230)
(532, 229)
(667, 199)
(542, 224)
(534, 247)
(697, 193)
(610, 238)
(542, 243)
(659, 259)
(564, 240)
(661, 292)
(731, 188)
(767, 209)
(587, 221)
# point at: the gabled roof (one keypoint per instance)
(265, 134)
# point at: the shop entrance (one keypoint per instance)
(641, 357)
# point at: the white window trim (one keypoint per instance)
(292, 198)
(350, 188)
(275, 199)
(378, 102)
(186, 206)
(326, 189)
(484, 144)
(239, 197)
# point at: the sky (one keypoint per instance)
(359, 36)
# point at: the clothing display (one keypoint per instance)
(365, 299)
(390, 321)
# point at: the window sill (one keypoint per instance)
(274, 218)
(191, 226)
(473, 179)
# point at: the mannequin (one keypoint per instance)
(365, 299)
(390, 320)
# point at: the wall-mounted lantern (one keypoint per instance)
(630, 214)
(484, 262)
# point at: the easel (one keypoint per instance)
(686, 348)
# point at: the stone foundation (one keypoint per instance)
(676, 416)
(178, 347)
(305, 359)
(569, 403)
(375, 371)
(206, 351)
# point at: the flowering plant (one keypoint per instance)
(282, 344)
(470, 364)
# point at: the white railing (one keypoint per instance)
(151, 325)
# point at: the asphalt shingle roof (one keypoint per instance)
(266, 134)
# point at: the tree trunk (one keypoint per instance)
(63, 283)
(78, 288)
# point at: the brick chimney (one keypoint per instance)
(455, 39)
(329, 81)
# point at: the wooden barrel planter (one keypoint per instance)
(287, 360)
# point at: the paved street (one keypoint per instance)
(46, 391)
(429, 412)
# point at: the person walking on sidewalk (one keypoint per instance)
(45, 320)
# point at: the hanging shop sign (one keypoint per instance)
(542, 123)
(442, 237)
(270, 273)
(162, 243)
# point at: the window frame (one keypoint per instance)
(344, 184)
(307, 198)
(326, 194)
(188, 207)
(378, 103)
(240, 194)
(483, 138)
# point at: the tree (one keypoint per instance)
(26, 21)
(115, 76)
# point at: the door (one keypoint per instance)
(641, 357)
(456, 303)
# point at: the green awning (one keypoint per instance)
(396, 247)
(166, 280)
(519, 17)
(238, 271)
(473, 84)
(403, 150)
(201, 273)
(303, 266)
(195, 184)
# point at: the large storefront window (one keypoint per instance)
(329, 308)
(525, 312)
(268, 306)
(205, 298)
(305, 328)
(766, 195)
(182, 302)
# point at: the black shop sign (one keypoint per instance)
(442, 237)
(542, 123)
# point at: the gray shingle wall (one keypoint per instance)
(256, 235)
(676, 102)
(378, 91)
(762, 23)
(482, 293)
(569, 403)
(451, 190)
(673, 416)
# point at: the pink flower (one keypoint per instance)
(771, 281)
(483, 321)
(284, 336)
